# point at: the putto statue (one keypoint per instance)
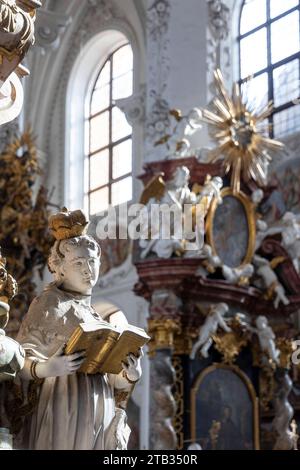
(266, 338)
(270, 281)
(239, 275)
(74, 410)
(173, 194)
(177, 143)
(214, 320)
(291, 237)
(184, 233)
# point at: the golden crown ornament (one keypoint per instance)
(68, 224)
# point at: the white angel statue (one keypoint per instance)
(210, 261)
(270, 280)
(175, 194)
(238, 275)
(186, 125)
(266, 338)
(211, 191)
(214, 320)
(291, 237)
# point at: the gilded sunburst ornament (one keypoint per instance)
(237, 129)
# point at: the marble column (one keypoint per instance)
(283, 411)
(162, 403)
(164, 323)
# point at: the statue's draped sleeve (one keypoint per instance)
(49, 323)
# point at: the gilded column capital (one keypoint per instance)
(162, 331)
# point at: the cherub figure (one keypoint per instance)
(291, 237)
(270, 280)
(211, 191)
(209, 261)
(182, 234)
(175, 194)
(214, 320)
(239, 275)
(266, 338)
(185, 125)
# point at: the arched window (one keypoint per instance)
(270, 53)
(109, 134)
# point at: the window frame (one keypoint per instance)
(111, 144)
(269, 69)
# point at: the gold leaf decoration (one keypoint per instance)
(237, 129)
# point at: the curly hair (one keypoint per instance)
(62, 247)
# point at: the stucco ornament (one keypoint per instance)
(214, 320)
(12, 355)
(16, 36)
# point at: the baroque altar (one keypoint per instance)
(223, 294)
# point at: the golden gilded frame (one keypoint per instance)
(251, 219)
(236, 370)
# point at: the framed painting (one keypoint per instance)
(231, 228)
(224, 410)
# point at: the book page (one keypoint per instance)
(129, 343)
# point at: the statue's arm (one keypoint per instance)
(120, 382)
(130, 374)
(223, 324)
(252, 329)
(25, 374)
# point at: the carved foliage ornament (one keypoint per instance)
(159, 118)
(24, 233)
(162, 332)
(230, 344)
(219, 15)
(134, 106)
(105, 8)
(158, 18)
(8, 289)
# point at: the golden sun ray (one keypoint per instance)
(237, 128)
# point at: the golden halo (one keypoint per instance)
(241, 144)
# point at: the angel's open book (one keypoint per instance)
(106, 346)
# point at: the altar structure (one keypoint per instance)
(222, 316)
(220, 297)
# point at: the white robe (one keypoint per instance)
(74, 411)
